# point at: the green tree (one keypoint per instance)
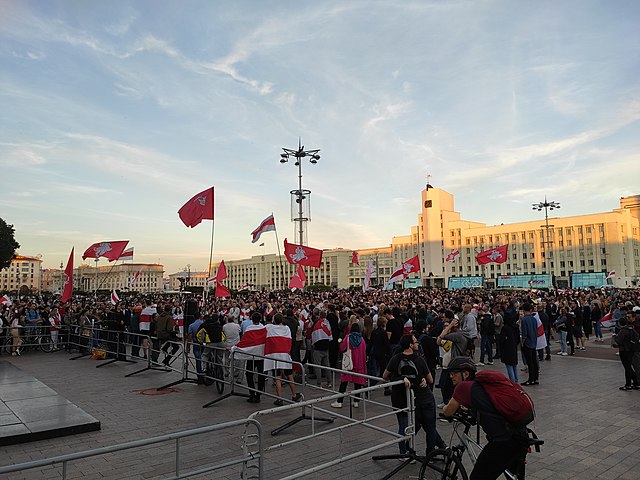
(8, 244)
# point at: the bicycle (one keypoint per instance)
(32, 337)
(214, 372)
(446, 463)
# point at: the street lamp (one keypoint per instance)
(187, 270)
(300, 194)
(546, 205)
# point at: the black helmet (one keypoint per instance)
(461, 364)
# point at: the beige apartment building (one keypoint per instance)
(24, 275)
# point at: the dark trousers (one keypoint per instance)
(343, 388)
(532, 363)
(496, 457)
(630, 375)
(486, 348)
(258, 367)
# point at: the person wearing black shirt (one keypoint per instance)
(410, 366)
(334, 344)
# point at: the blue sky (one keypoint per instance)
(113, 114)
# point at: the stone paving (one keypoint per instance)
(590, 428)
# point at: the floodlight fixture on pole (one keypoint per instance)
(300, 195)
(546, 205)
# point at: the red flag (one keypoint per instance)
(497, 255)
(67, 291)
(222, 272)
(109, 250)
(222, 291)
(198, 208)
(267, 225)
(453, 256)
(354, 258)
(301, 255)
(403, 271)
(298, 279)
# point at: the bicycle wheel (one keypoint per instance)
(45, 344)
(219, 378)
(440, 464)
(209, 374)
(7, 345)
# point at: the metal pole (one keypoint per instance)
(300, 228)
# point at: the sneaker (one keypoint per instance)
(559, 353)
(626, 388)
(336, 404)
(564, 354)
(15, 354)
(489, 363)
(356, 404)
(297, 398)
(329, 386)
(279, 402)
(480, 364)
(19, 352)
(441, 405)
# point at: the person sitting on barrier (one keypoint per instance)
(251, 349)
(197, 349)
(354, 342)
(165, 335)
(277, 349)
(410, 366)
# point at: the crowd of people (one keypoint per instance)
(409, 334)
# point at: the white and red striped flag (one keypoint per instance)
(453, 256)
(5, 300)
(404, 270)
(267, 225)
(134, 278)
(277, 347)
(251, 343)
(126, 255)
(611, 274)
(321, 331)
(114, 297)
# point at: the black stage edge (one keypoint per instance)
(31, 411)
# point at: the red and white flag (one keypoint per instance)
(109, 250)
(354, 258)
(267, 225)
(298, 279)
(127, 254)
(611, 274)
(67, 290)
(134, 278)
(5, 300)
(496, 255)
(404, 270)
(251, 343)
(277, 347)
(222, 291)
(301, 255)
(198, 208)
(321, 331)
(114, 297)
(368, 273)
(453, 256)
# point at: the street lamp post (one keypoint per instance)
(546, 205)
(300, 194)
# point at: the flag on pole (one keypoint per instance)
(198, 208)
(267, 225)
(127, 254)
(453, 256)
(114, 297)
(5, 300)
(368, 273)
(222, 291)
(109, 250)
(134, 278)
(354, 258)
(497, 255)
(222, 272)
(611, 274)
(301, 255)
(67, 290)
(405, 269)
(298, 279)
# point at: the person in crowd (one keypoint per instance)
(628, 344)
(277, 350)
(250, 348)
(355, 343)
(509, 341)
(529, 339)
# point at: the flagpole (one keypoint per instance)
(210, 257)
(279, 254)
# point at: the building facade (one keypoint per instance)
(24, 275)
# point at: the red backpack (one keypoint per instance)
(509, 399)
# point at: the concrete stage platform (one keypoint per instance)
(30, 411)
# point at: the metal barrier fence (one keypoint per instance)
(256, 457)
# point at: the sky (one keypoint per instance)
(113, 114)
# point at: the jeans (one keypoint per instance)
(563, 341)
(512, 372)
(598, 329)
(403, 423)
(321, 358)
(486, 347)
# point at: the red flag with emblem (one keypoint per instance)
(403, 271)
(109, 250)
(301, 255)
(67, 291)
(198, 208)
(496, 255)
